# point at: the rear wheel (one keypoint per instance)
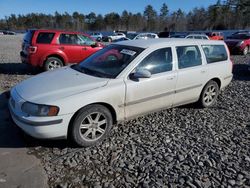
(52, 63)
(91, 125)
(245, 50)
(209, 94)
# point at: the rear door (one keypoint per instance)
(192, 74)
(70, 45)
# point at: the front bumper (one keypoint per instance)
(40, 127)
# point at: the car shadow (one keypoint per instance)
(241, 72)
(11, 136)
(18, 69)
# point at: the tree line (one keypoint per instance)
(229, 14)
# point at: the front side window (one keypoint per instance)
(109, 61)
(215, 53)
(188, 56)
(44, 38)
(84, 40)
(158, 61)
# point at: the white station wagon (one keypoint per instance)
(117, 83)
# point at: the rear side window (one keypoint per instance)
(188, 56)
(44, 38)
(215, 53)
(84, 40)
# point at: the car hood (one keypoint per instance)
(57, 84)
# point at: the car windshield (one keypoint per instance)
(108, 62)
(239, 36)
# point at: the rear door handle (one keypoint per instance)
(61, 48)
(203, 71)
(84, 48)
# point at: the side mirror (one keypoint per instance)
(141, 73)
(96, 44)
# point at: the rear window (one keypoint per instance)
(28, 36)
(44, 38)
(215, 53)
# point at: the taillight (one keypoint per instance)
(32, 49)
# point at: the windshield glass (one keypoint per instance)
(108, 62)
(239, 36)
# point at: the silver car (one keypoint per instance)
(117, 83)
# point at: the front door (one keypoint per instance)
(88, 46)
(70, 46)
(154, 93)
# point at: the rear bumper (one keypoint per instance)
(24, 57)
(30, 59)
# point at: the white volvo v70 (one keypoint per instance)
(117, 83)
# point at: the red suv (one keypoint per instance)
(52, 49)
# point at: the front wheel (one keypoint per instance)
(91, 125)
(209, 94)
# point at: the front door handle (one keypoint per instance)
(171, 78)
(203, 71)
(61, 48)
(84, 48)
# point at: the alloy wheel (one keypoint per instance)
(93, 126)
(210, 95)
(54, 65)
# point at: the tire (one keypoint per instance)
(91, 125)
(52, 63)
(245, 50)
(209, 94)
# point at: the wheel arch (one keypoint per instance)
(217, 80)
(57, 56)
(108, 106)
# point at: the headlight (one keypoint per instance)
(240, 43)
(39, 110)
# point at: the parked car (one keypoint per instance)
(9, 33)
(131, 36)
(113, 37)
(215, 35)
(51, 49)
(121, 39)
(178, 36)
(197, 36)
(97, 36)
(164, 34)
(117, 83)
(239, 43)
(146, 36)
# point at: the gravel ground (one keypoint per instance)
(179, 147)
